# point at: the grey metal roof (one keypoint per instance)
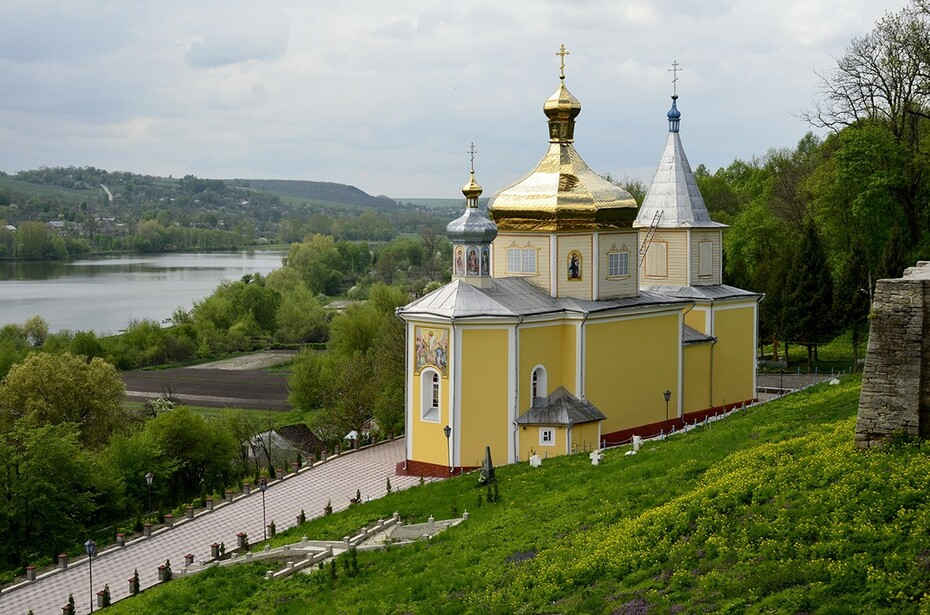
(560, 408)
(674, 192)
(693, 336)
(712, 291)
(473, 226)
(515, 296)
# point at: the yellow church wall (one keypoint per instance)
(542, 345)
(537, 241)
(734, 355)
(569, 350)
(697, 377)
(579, 289)
(714, 238)
(628, 365)
(484, 420)
(620, 286)
(429, 441)
(584, 437)
(676, 244)
(529, 441)
(696, 318)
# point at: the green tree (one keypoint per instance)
(808, 316)
(63, 388)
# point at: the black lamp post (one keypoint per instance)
(667, 395)
(149, 477)
(91, 548)
(448, 431)
(263, 485)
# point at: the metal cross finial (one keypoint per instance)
(675, 69)
(471, 151)
(562, 52)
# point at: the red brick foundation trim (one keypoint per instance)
(651, 429)
(421, 468)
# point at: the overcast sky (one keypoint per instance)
(387, 95)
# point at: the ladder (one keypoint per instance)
(650, 233)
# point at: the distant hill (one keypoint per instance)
(329, 192)
(439, 203)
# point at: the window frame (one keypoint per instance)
(656, 276)
(521, 256)
(430, 396)
(542, 433)
(536, 381)
(618, 253)
(705, 244)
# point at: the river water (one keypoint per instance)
(105, 294)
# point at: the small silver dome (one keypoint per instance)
(472, 227)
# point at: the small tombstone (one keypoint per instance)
(229, 495)
(62, 561)
(169, 519)
(209, 503)
(215, 551)
(535, 460)
(161, 572)
(246, 488)
(596, 456)
(242, 540)
(30, 573)
(100, 599)
(190, 512)
(189, 559)
(121, 539)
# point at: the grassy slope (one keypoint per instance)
(769, 511)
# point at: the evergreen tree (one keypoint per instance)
(809, 294)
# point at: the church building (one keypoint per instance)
(574, 319)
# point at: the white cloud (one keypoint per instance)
(387, 95)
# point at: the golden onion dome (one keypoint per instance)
(472, 190)
(562, 193)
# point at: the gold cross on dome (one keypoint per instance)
(471, 151)
(675, 69)
(562, 52)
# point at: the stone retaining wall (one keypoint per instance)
(895, 397)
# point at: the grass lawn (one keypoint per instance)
(836, 354)
(772, 510)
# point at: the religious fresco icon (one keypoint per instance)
(485, 261)
(473, 261)
(574, 265)
(431, 348)
(459, 260)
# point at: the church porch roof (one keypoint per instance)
(711, 292)
(560, 408)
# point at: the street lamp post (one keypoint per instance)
(667, 395)
(448, 431)
(149, 477)
(91, 548)
(263, 485)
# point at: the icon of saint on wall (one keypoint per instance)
(459, 260)
(473, 261)
(574, 265)
(485, 261)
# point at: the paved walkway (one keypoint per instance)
(337, 479)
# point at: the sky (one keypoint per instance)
(386, 96)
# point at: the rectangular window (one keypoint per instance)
(546, 436)
(618, 264)
(657, 260)
(521, 260)
(706, 259)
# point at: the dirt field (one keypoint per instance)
(256, 360)
(218, 388)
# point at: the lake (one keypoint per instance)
(105, 294)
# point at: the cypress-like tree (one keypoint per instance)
(809, 294)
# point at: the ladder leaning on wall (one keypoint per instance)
(650, 233)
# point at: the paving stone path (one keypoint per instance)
(337, 479)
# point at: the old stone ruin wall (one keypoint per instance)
(895, 397)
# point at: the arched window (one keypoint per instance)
(538, 385)
(429, 391)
